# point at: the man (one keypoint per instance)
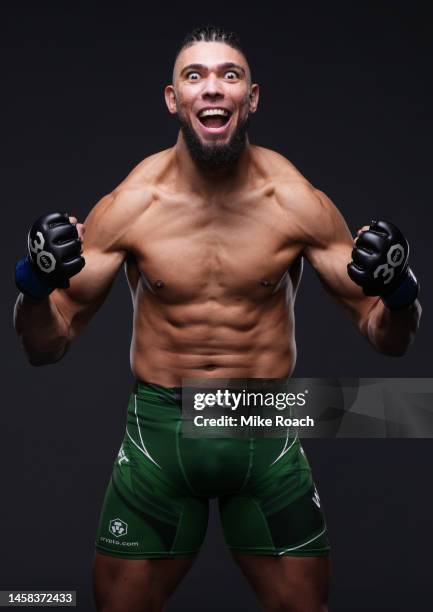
(212, 232)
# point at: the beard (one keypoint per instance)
(213, 156)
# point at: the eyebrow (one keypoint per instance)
(225, 66)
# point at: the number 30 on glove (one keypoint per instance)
(380, 265)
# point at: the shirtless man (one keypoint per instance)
(212, 232)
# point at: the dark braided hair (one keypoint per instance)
(211, 33)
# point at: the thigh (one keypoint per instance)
(149, 510)
(136, 585)
(298, 584)
(278, 512)
(148, 522)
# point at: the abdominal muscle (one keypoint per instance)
(212, 340)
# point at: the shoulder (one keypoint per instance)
(290, 187)
(117, 211)
(311, 215)
(315, 215)
(274, 165)
(301, 197)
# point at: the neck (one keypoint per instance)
(209, 180)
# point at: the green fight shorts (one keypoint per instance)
(156, 503)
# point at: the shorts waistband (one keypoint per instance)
(142, 388)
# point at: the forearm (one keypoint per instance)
(391, 331)
(42, 328)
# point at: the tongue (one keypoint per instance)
(215, 121)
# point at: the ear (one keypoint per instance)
(254, 97)
(170, 99)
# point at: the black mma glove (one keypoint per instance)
(54, 256)
(380, 265)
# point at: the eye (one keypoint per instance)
(231, 75)
(193, 76)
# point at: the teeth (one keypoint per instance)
(213, 111)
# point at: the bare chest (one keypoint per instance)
(186, 253)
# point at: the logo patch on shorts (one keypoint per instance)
(118, 527)
(122, 456)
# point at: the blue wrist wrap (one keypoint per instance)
(29, 283)
(405, 294)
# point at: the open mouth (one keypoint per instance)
(214, 119)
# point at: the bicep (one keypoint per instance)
(329, 255)
(103, 258)
(88, 289)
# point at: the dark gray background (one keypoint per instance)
(347, 96)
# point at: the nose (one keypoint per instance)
(212, 88)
